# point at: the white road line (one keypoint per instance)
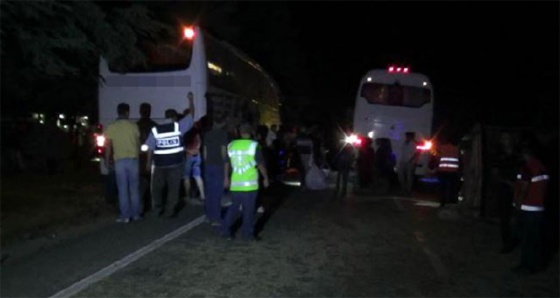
(101, 274)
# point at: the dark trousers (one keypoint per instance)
(449, 187)
(171, 177)
(529, 229)
(214, 189)
(247, 201)
(342, 177)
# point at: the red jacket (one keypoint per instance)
(535, 175)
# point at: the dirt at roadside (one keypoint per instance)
(40, 210)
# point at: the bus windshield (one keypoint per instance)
(395, 95)
(159, 57)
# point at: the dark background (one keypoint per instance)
(491, 62)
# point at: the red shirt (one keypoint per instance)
(193, 145)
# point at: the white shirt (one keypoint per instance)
(408, 151)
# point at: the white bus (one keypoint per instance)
(393, 101)
(223, 80)
(221, 77)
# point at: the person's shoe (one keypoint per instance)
(260, 209)
(137, 218)
(123, 220)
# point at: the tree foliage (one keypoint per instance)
(47, 42)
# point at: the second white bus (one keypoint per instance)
(391, 102)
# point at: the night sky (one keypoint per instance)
(487, 61)
(495, 62)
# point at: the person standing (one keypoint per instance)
(123, 143)
(214, 147)
(343, 163)
(166, 148)
(448, 171)
(193, 165)
(365, 163)
(145, 125)
(530, 193)
(271, 136)
(246, 161)
(504, 172)
(407, 163)
(384, 166)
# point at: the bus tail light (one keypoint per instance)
(353, 140)
(100, 140)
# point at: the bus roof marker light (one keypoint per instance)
(391, 68)
(405, 70)
(188, 32)
(399, 69)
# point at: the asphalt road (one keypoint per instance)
(313, 245)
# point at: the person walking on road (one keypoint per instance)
(407, 163)
(123, 143)
(214, 147)
(246, 161)
(166, 148)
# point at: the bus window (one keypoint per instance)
(395, 95)
(416, 96)
(374, 93)
(159, 57)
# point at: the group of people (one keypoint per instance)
(181, 149)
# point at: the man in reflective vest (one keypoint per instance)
(448, 171)
(530, 192)
(246, 161)
(166, 149)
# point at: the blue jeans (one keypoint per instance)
(214, 188)
(128, 184)
(192, 166)
(247, 201)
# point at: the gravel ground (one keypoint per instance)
(316, 246)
